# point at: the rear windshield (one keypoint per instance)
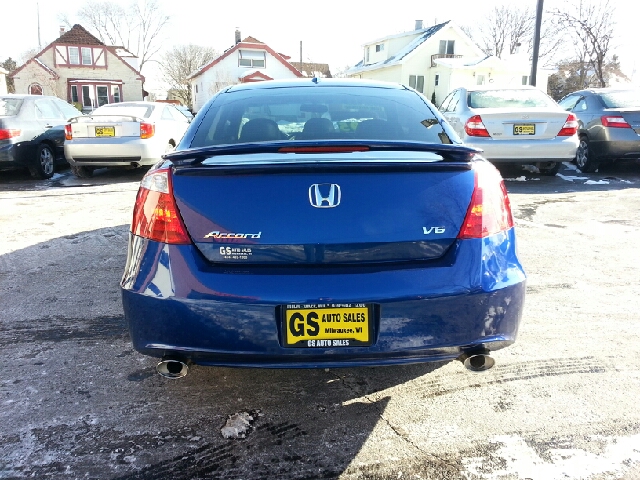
(628, 98)
(319, 113)
(141, 111)
(510, 98)
(9, 107)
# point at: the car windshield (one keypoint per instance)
(622, 99)
(9, 107)
(141, 111)
(509, 98)
(319, 113)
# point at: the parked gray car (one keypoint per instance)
(513, 125)
(32, 132)
(609, 125)
(129, 134)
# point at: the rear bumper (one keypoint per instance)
(177, 303)
(558, 149)
(111, 152)
(11, 156)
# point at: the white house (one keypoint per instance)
(438, 59)
(249, 60)
(3, 81)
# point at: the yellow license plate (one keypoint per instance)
(328, 325)
(524, 129)
(105, 131)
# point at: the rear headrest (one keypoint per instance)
(260, 130)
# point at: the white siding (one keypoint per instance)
(3, 83)
(228, 72)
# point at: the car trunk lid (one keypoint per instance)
(523, 124)
(362, 207)
(106, 126)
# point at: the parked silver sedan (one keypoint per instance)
(123, 134)
(517, 125)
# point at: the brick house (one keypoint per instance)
(79, 68)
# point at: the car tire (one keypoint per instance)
(43, 166)
(585, 160)
(82, 171)
(549, 168)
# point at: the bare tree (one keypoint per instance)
(593, 25)
(180, 62)
(508, 29)
(137, 28)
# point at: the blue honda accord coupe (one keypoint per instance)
(321, 223)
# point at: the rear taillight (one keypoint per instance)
(490, 210)
(475, 128)
(68, 133)
(7, 133)
(615, 121)
(147, 130)
(156, 215)
(570, 127)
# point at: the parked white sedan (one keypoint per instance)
(122, 134)
(517, 125)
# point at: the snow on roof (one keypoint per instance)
(424, 35)
(52, 72)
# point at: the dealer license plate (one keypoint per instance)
(327, 325)
(105, 131)
(524, 129)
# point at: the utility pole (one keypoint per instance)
(38, 13)
(300, 56)
(536, 43)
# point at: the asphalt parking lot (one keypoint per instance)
(78, 402)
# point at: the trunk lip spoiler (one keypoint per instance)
(195, 156)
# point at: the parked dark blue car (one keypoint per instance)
(321, 223)
(32, 133)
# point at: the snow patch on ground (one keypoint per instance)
(521, 460)
(56, 176)
(520, 179)
(239, 424)
(570, 178)
(570, 166)
(596, 182)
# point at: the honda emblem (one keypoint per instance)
(324, 195)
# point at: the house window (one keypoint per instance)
(115, 92)
(74, 56)
(380, 47)
(252, 58)
(525, 80)
(35, 89)
(437, 80)
(417, 82)
(103, 95)
(196, 88)
(74, 93)
(86, 56)
(446, 47)
(366, 54)
(480, 80)
(86, 96)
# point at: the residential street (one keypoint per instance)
(78, 402)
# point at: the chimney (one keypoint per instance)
(62, 29)
(418, 24)
(238, 38)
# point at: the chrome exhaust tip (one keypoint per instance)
(477, 361)
(171, 367)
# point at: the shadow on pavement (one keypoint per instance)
(80, 403)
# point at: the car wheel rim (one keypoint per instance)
(46, 160)
(581, 158)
